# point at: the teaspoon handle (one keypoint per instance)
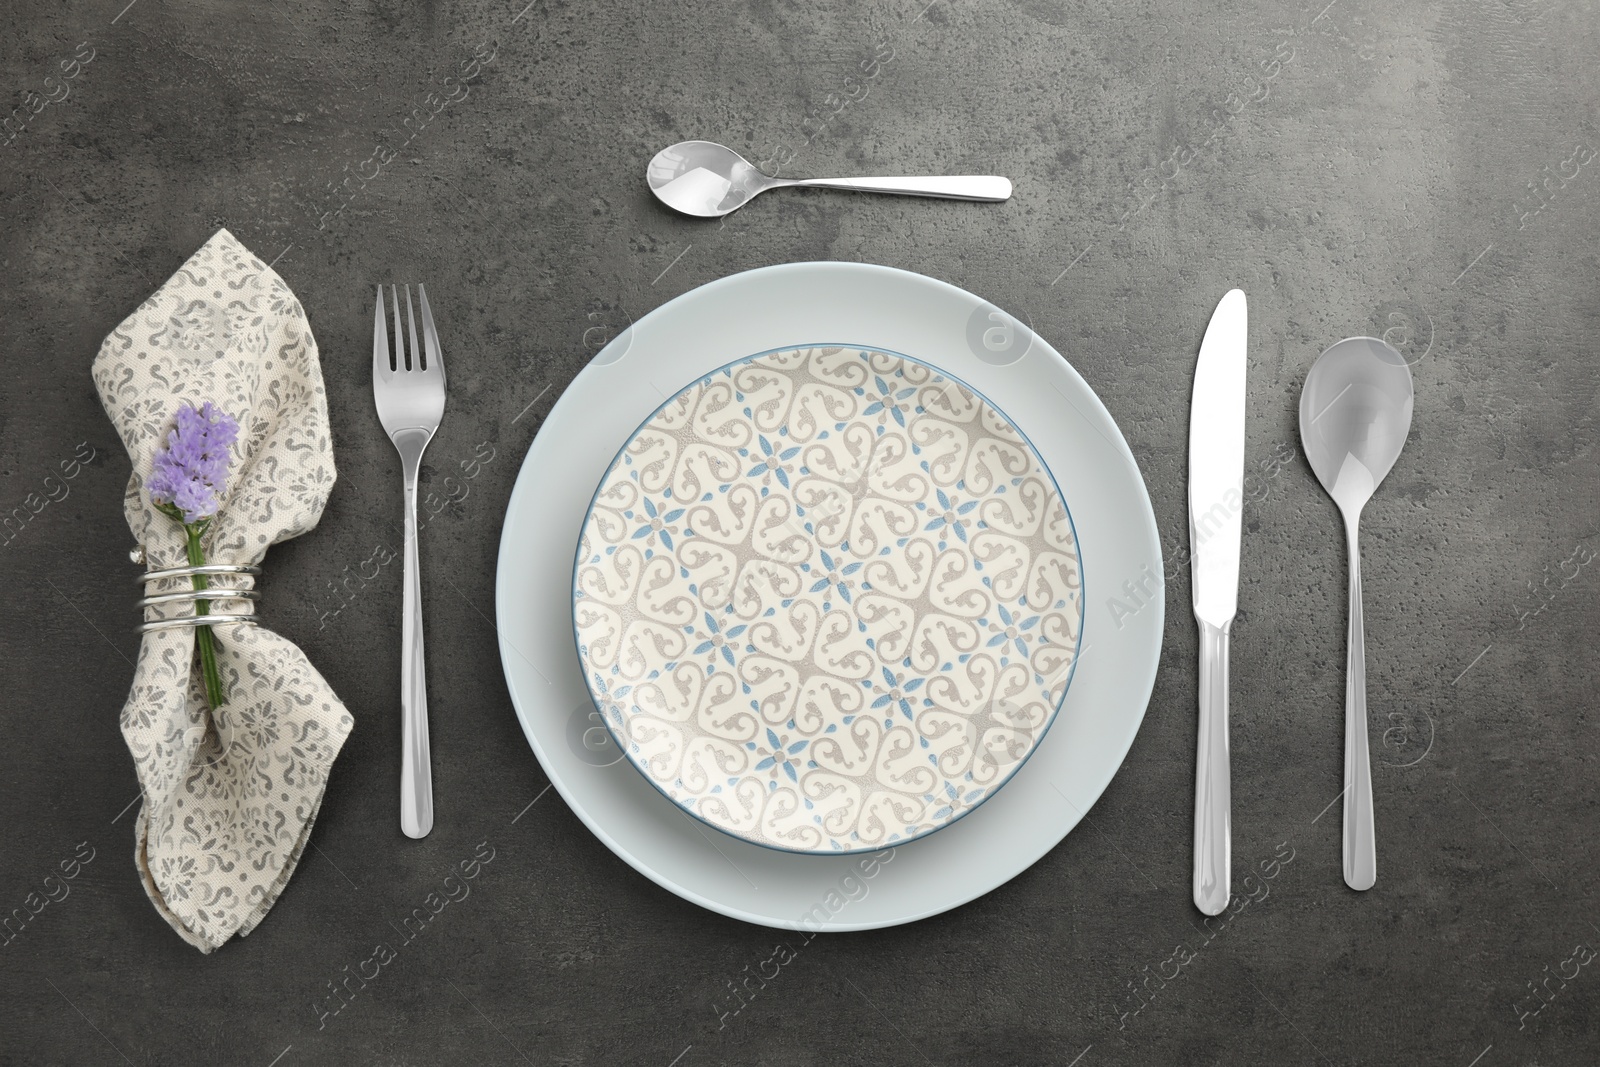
(987, 187)
(1360, 840)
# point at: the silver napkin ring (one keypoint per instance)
(195, 595)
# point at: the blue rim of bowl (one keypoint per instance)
(1083, 602)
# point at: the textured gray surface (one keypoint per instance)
(1377, 175)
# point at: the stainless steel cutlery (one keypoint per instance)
(709, 180)
(1216, 501)
(408, 388)
(1355, 413)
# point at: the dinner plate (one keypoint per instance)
(827, 599)
(871, 308)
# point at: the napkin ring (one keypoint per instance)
(195, 595)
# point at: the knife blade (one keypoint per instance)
(1216, 505)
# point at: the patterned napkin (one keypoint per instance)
(229, 796)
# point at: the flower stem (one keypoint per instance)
(215, 696)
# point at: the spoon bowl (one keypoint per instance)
(1355, 413)
(1356, 405)
(703, 179)
(709, 180)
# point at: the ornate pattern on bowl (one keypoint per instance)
(828, 599)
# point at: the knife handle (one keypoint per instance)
(1213, 845)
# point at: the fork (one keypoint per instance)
(408, 389)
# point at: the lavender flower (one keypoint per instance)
(190, 472)
(186, 480)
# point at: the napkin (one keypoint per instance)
(228, 795)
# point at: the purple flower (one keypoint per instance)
(191, 469)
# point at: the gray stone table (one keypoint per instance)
(1422, 171)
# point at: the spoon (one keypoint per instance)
(708, 180)
(1355, 412)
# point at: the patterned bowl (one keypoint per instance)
(828, 599)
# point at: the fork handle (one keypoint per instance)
(416, 774)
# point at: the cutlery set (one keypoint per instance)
(1355, 412)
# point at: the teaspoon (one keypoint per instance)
(708, 180)
(1355, 412)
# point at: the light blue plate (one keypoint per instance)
(879, 307)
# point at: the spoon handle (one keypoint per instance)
(988, 188)
(1360, 841)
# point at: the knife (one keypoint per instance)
(1216, 501)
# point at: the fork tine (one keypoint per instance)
(382, 366)
(400, 353)
(430, 336)
(417, 360)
